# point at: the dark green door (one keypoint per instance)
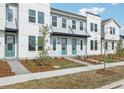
(64, 46)
(9, 46)
(74, 46)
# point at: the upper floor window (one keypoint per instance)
(10, 15)
(73, 24)
(63, 22)
(81, 25)
(41, 17)
(54, 21)
(32, 43)
(32, 16)
(93, 27)
(112, 30)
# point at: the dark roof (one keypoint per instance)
(107, 20)
(69, 34)
(67, 12)
(93, 14)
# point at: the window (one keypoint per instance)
(73, 24)
(40, 46)
(81, 25)
(63, 22)
(54, 21)
(95, 27)
(110, 30)
(32, 44)
(106, 46)
(91, 26)
(95, 44)
(112, 45)
(10, 15)
(41, 17)
(81, 44)
(91, 44)
(54, 43)
(113, 31)
(32, 16)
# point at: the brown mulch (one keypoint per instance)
(5, 69)
(36, 68)
(107, 72)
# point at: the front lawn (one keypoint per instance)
(88, 80)
(57, 63)
(5, 69)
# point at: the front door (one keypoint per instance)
(74, 46)
(9, 45)
(64, 46)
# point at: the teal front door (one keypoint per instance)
(64, 46)
(74, 46)
(9, 45)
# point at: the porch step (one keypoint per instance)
(11, 59)
(78, 61)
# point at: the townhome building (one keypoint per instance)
(70, 34)
(110, 35)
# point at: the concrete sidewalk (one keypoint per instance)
(115, 85)
(77, 61)
(17, 67)
(48, 74)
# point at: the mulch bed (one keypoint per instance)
(107, 72)
(5, 69)
(62, 63)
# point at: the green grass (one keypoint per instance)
(108, 59)
(82, 80)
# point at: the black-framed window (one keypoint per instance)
(91, 44)
(32, 43)
(81, 25)
(81, 44)
(113, 31)
(10, 15)
(96, 45)
(106, 45)
(41, 17)
(54, 21)
(96, 27)
(112, 45)
(73, 24)
(40, 44)
(91, 26)
(63, 22)
(54, 43)
(32, 16)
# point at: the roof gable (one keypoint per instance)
(109, 20)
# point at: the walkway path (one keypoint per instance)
(17, 67)
(78, 61)
(48, 74)
(115, 85)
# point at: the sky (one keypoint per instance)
(105, 10)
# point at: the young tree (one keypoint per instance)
(119, 48)
(43, 58)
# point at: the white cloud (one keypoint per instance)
(115, 4)
(94, 10)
